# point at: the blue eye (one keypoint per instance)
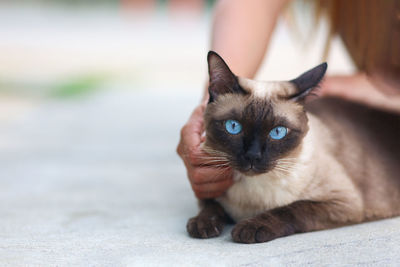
(278, 132)
(233, 127)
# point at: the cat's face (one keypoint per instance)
(253, 131)
(255, 125)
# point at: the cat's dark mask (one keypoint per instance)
(255, 125)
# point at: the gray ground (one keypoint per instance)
(96, 182)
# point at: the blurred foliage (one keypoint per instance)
(78, 86)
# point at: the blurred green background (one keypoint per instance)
(72, 48)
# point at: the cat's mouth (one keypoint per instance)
(252, 170)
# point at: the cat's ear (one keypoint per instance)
(308, 81)
(222, 80)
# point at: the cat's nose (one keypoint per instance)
(253, 156)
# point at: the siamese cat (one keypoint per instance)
(299, 165)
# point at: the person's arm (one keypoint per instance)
(363, 89)
(240, 34)
(242, 30)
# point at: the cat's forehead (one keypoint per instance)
(263, 100)
(266, 90)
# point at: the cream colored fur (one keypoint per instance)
(251, 195)
(336, 164)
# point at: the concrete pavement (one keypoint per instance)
(96, 182)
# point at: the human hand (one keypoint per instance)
(208, 180)
(362, 89)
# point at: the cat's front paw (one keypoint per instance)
(204, 226)
(252, 231)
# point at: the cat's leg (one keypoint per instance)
(298, 217)
(209, 222)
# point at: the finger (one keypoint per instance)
(206, 175)
(192, 131)
(209, 195)
(222, 185)
(199, 158)
(203, 137)
(191, 137)
(195, 157)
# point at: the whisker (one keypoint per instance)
(214, 159)
(213, 151)
(201, 156)
(215, 163)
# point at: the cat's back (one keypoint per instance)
(359, 124)
(366, 142)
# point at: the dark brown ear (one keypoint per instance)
(308, 81)
(222, 80)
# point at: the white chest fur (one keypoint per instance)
(250, 196)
